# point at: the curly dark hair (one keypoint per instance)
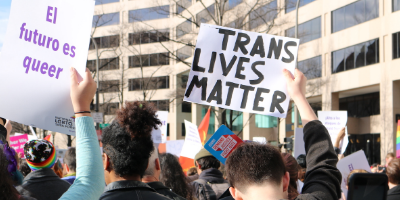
(173, 177)
(6, 184)
(293, 168)
(127, 141)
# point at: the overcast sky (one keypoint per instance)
(4, 12)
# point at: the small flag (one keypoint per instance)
(203, 128)
(398, 140)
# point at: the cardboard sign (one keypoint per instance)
(334, 121)
(44, 39)
(175, 147)
(222, 143)
(192, 143)
(18, 142)
(246, 65)
(299, 146)
(160, 135)
(349, 163)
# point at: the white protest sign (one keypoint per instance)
(44, 39)
(334, 121)
(160, 135)
(192, 143)
(349, 163)
(246, 65)
(299, 146)
(33, 131)
(175, 147)
(97, 117)
(261, 140)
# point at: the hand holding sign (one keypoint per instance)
(82, 93)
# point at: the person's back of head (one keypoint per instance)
(205, 160)
(40, 154)
(6, 184)
(127, 143)
(393, 171)
(257, 171)
(192, 171)
(389, 157)
(301, 160)
(24, 168)
(172, 176)
(70, 161)
(152, 168)
(353, 172)
(293, 168)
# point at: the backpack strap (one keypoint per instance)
(205, 190)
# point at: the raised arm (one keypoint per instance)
(89, 182)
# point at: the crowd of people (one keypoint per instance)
(130, 166)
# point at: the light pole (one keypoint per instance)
(97, 79)
(296, 32)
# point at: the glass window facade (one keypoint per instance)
(265, 121)
(361, 106)
(145, 37)
(182, 5)
(211, 126)
(184, 28)
(234, 117)
(162, 105)
(186, 107)
(311, 68)
(105, 42)
(105, 19)
(263, 14)
(109, 86)
(153, 83)
(184, 53)
(354, 13)
(148, 60)
(104, 64)
(147, 14)
(109, 108)
(396, 5)
(308, 31)
(234, 3)
(205, 15)
(290, 5)
(396, 45)
(99, 2)
(366, 53)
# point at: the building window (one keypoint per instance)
(361, 106)
(99, 2)
(183, 129)
(147, 14)
(104, 64)
(354, 13)
(148, 37)
(205, 15)
(186, 107)
(359, 55)
(162, 105)
(233, 119)
(184, 28)
(370, 143)
(105, 19)
(263, 14)
(108, 108)
(396, 45)
(184, 53)
(182, 5)
(105, 42)
(265, 121)
(308, 31)
(234, 3)
(149, 83)
(211, 126)
(148, 60)
(168, 134)
(396, 5)
(109, 86)
(311, 68)
(184, 80)
(290, 5)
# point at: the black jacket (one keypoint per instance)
(209, 175)
(130, 190)
(394, 193)
(162, 189)
(43, 184)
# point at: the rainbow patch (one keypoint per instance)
(45, 164)
(398, 140)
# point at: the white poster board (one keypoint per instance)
(261, 140)
(160, 135)
(246, 65)
(175, 147)
(334, 121)
(97, 117)
(299, 146)
(44, 39)
(192, 143)
(356, 160)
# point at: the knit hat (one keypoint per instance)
(40, 154)
(202, 153)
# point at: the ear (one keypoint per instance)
(235, 193)
(198, 166)
(157, 164)
(285, 181)
(106, 162)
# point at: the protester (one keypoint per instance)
(339, 138)
(353, 172)
(127, 147)
(152, 177)
(24, 168)
(293, 168)
(389, 157)
(192, 174)
(211, 183)
(301, 160)
(393, 173)
(257, 171)
(6, 183)
(173, 177)
(41, 156)
(375, 168)
(69, 165)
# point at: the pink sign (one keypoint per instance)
(18, 142)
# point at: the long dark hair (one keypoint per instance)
(6, 184)
(291, 167)
(173, 177)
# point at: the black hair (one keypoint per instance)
(24, 167)
(208, 163)
(70, 159)
(127, 141)
(6, 184)
(173, 177)
(301, 160)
